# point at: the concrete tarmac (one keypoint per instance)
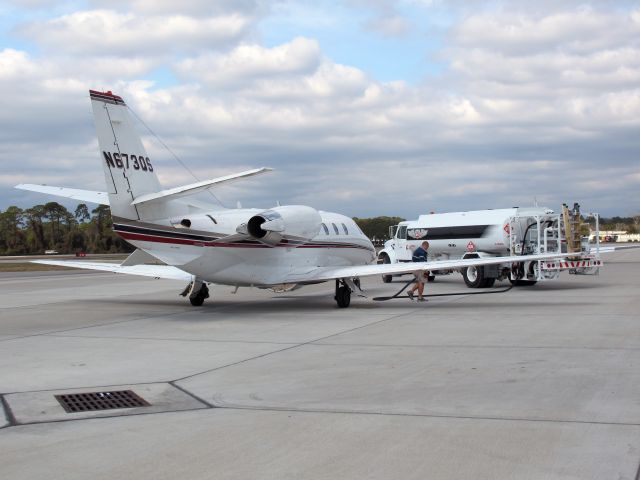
(538, 382)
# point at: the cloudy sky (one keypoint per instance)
(366, 107)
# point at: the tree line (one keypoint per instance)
(52, 227)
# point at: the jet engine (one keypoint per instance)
(295, 222)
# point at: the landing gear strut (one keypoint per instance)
(197, 292)
(343, 294)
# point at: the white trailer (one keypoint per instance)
(500, 232)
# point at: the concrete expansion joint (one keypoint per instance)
(54, 333)
(44, 407)
(84, 387)
(421, 415)
(297, 345)
(459, 346)
(8, 414)
(192, 395)
(152, 339)
(102, 417)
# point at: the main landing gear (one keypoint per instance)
(197, 292)
(343, 294)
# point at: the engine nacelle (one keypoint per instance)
(296, 222)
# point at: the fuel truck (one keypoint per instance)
(499, 232)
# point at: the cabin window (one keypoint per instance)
(185, 222)
(344, 228)
(212, 219)
(335, 229)
(326, 230)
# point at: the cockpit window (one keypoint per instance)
(335, 229)
(326, 230)
(212, 219)
(344, 228)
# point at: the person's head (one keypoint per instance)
(425, 245)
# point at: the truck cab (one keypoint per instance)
(398, 247)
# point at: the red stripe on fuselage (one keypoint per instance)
(180, 241)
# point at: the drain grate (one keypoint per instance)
(93, 401)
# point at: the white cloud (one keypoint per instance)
(390, 26)
(531, 105)
(191, 7)
(249, 62)
(107, 32)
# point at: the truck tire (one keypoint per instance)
(386, 278)
(473, 277)
(488, 282)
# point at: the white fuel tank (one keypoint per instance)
(456, 233)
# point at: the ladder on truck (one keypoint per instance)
(572, 229)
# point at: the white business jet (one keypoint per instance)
(280, 248)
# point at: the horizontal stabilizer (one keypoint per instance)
(90, 196)
(193, 188)
(156, 271)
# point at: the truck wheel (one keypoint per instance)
(473, 276)
(386, 278)
(488, 282)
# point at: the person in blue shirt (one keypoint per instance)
(419, 255)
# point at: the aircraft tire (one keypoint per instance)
(343, 296)
(431, 278)
(197, 301)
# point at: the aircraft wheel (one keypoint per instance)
(343, 296)
(198, 299)
(431, 278)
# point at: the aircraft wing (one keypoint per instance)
(609, 249)
(157, 271)
(195, 187)
(330, 273)
(101, 198)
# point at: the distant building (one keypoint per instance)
(620, 236)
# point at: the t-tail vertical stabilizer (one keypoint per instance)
(128, 170)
